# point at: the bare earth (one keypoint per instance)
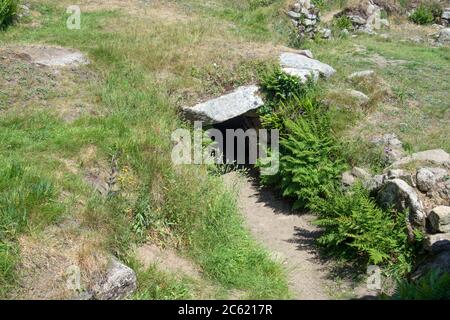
(290, 238)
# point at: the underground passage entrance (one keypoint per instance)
(241, 141)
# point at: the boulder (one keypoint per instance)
(118, 283)
(437, 242)
(439, 263)
(439, 219)
(226, 107)
(444, 36)
(399, 195)
(297, 61)
(425, 180)
(436, 156)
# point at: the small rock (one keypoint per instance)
(375, 183)
(326, 33)
(348, 179)
(398, 194)
(359, 96)
(444, 36)
(425, 180)
(306, 53)
(361, 173)
(294, 15)
(439, 219)
(437, 242)
(119, 282)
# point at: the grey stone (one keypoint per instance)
(361, 173)
(119, 282)
(439, 219)
(326, 33)
(439, 263)
(357, 20)
(437, 156)
(444, 36)
(446, 14)
(425, 180)
(306, 53)
(361, 75)
(401, 174)
(226, 107)
(302, 74)
(439, 173)
(388, 139)
(297, 61)
(399, 195)
(348, 179)
(437, 242)
(308, 22)
(375, 183)
(294, 15)
(358, 96)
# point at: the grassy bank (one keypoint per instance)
(141, 68)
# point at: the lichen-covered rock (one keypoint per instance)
(375, 183)
(300, 62)
(439, 219)
(425, 180)
(226, 107)
(444, 36)
(398, 194)
(118, 283)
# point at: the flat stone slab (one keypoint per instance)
(226, 107)
(437, 156)
(52, 56)
(301, 62)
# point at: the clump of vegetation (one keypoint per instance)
(426, 13)
(309, 160)
(356, 228)
(8, 12)
(311, 163)
(341, 23)
(434, 285)
(281, 91)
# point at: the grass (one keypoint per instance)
(141, 76)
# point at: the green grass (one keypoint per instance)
(137, 119)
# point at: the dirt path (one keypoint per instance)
(290, 238)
